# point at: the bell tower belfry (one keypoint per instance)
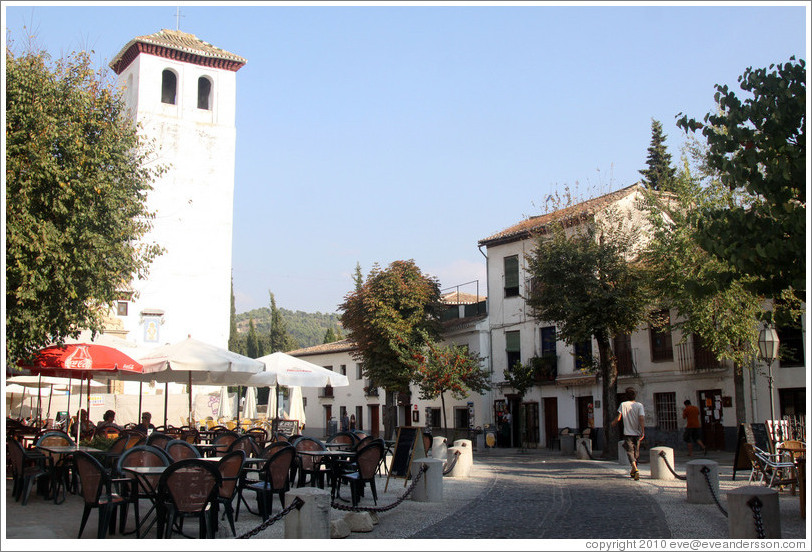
(182, 91)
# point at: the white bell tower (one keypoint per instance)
(182, 91)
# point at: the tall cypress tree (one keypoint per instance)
(234, 341)
(251, 343)
(660, 174)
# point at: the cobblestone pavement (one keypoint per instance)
(534, 497)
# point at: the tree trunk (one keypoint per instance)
(608, 373)
(389, 414)
(445, 418)
(738, 386)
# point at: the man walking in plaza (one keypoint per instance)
(634, 428)
(692, 428)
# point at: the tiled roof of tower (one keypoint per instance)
(532, 225)
(176, 45)
(334, 347)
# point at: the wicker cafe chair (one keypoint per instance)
(224, 438)
(178, 449)
(189, 488)
(159, 440)
(59, 464)
(230, 467)
(139, 455)
(274, 479)
(259, 435)
(97, 492)
(344, 438)
(26, 468)
(308, 465)
(246, 444)
(363, 470)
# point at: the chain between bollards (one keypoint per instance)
(705, 471)
(417, 477)
(755, 505)
(450, 465)
(664, 456)
(295, 505)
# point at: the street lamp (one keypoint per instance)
(768, 351)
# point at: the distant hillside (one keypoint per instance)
(306, 328)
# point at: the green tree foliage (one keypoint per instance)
(586, 283)
(76, 176)
(280, 340)
(330, 336)
(253, 348)
(395, 312)
(235, 344)
(452, 369)
(758, 147)
(660, 174)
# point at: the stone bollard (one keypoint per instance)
(659, 469)
(439, 448)
(740, 517)
(465, 460)
(311, 521)
(430, 486)
(697, 484)
(583, 448)
(622, 457)
(567, 444)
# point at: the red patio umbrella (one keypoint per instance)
(81, 361)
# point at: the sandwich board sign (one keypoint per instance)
(408, 447)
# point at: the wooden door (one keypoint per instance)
(374, 420)
(550, 420)
(531, 424)
(710, 408)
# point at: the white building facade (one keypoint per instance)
(182, 91)
(664, 369)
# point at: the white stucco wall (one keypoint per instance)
(192, 201)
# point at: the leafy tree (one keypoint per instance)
(330, 336)
(660, 174)
(77, 176)
(252, 347)
(585, 282)
(758, 147)
(234, 341)
(279, 338)
(395, 312)
(452, 369)
(521, 377)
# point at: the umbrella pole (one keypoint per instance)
(88, 397)
(239, 392)
(79, 415)
(39, 399)
(22, 402)
(166, 402)
(67, 422)
(190, 401)
(50, 396)
(140, 395)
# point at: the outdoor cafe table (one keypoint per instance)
(331, 459)
(67, 450)
(144, 474)
(210, 448)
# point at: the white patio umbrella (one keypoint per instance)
(226, 404)
(297, 411)
(272, 408)
(250, 408)
(195, 363)
(292, 371)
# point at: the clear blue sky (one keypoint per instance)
(376, 133)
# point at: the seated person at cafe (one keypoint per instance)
(145, 424)
(108, 421)
(86, 425)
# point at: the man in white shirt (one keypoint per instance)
(634, 428)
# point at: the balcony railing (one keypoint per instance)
(326, 392)
(692, 358)
(370, 391)
(545, 368)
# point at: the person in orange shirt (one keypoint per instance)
(693, 432)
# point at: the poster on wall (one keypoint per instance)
(152, 329)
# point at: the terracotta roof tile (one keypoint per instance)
(532, 225)
(334, 347)
(192, 48)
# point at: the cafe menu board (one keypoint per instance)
(754, 434)
(407, 447)
(286, 427)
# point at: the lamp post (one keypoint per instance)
(768, 351)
